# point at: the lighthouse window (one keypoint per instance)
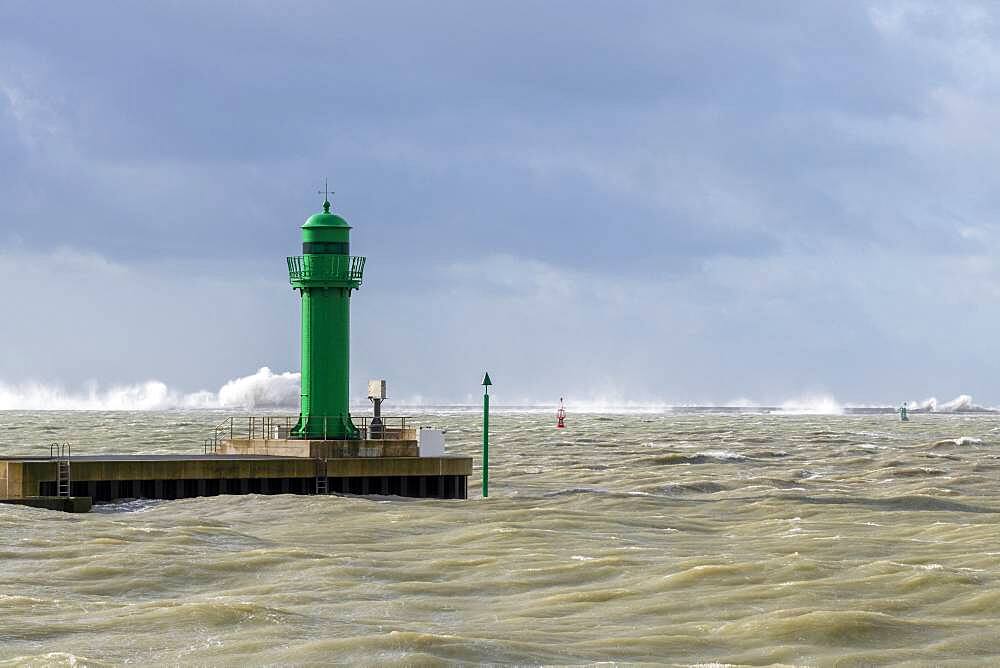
(326, 248)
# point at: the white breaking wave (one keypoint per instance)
(611, 406)
(821, 405)
(264, 389)
(962, 402)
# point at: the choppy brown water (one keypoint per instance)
(681, 539)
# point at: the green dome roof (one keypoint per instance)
(326, 219)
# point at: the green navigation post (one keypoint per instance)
(325, 275)
(486, 435)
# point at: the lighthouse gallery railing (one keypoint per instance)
(326, 268)
(278, 427)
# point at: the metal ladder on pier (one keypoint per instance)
(62, 452)
(322, 480)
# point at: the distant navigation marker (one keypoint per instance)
(903, 413)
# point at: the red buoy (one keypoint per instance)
(561, 416)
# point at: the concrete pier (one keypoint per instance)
(106, 478)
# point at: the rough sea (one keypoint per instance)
(668, 538)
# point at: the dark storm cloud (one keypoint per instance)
(694, 160)
(481, 92)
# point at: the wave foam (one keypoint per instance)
(821, 405)
(962, 402)
(966, 440)
(266, 390)
(263, 389)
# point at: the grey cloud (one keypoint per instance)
(644, 146)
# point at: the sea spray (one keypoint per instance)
(961, 403)
(268, 390)
(818, 405)
(263, 389)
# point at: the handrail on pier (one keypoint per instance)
(279, 427)
(60, 451)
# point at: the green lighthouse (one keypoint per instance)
(325, 274)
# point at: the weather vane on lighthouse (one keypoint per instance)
(325, 192)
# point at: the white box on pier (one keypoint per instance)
(431, 442)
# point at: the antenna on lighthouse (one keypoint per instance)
(325, 192)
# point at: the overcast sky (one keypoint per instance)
(646, 201)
